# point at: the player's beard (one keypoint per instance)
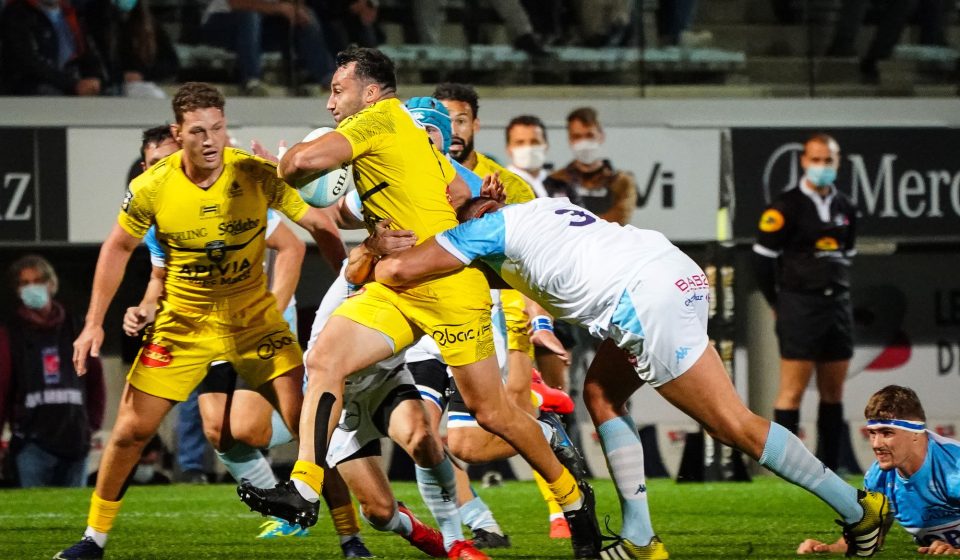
(466, 148)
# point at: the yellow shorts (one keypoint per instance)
(518, 323)
(177, 351)
(453, 310)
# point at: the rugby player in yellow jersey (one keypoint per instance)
(402, 177)
(208, 203)
(467, 441)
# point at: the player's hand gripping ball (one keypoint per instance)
(331, 185)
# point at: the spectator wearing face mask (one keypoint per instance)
(527, 147)
(52, 410)
(46, 51)
(590, 180)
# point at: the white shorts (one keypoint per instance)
(661, 318)
(368, 402)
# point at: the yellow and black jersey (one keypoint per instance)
(398, 172)
(215, 237)
(516, 189)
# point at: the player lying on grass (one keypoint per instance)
(918, 471)
(637, 292)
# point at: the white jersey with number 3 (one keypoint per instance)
(574, 263)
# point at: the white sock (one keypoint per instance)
(245, 462)
(438, 487)
(97, 536)
(306, 491)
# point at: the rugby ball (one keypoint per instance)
(329, 186)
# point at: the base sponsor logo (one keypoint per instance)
(268, 346)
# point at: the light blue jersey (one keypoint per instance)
(927, 504)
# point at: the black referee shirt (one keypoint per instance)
(812, 237)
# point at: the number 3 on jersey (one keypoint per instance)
(578, 217)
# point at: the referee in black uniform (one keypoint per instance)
(803, 250)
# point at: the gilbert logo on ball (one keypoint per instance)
(331, 184)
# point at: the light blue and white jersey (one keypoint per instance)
(572, 262)
(158, 258)
(927, 504)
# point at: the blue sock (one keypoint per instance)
(477, 515)
(785, 455)
(624, 453)
(245, 462)
(438, 487)
(281, 434)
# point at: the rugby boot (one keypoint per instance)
(283, 501)
(865, 537)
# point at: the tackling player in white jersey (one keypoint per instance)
(647, 301)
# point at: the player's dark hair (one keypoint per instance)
(894, 401)
(586, 115)
(822, 138)
(196, 95)
(463, 93)
(156, 135)
(526, 120)
(371, 65)
(469, 209)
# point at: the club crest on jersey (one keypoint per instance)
(155, 355)
(216, 250)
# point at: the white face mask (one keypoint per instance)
(586, 152)
(529, 158)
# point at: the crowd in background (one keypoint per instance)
(128, 47)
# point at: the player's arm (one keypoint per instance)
(146, 311)
(324, 232)
(424, 261)
(939, 548)
(541, 330)
(624, 194)
(384, 241)
(114, 255)
(813, 546)
(304, 161)
(286, 268)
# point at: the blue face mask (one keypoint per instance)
(125, 5)
(821, 175)
(35, 296)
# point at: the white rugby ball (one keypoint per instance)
(331, 185)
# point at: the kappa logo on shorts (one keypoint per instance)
(154, 355)
(267, 346)
(350, 420)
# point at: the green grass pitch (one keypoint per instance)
(767, 518)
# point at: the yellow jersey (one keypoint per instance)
(516, 189)
(215, 237)
(398, 172)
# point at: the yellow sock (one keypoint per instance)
(102, 513)
(552, 506)
(310, 473)
(345, 520)
(565, 491)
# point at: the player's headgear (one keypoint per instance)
(429, 111)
